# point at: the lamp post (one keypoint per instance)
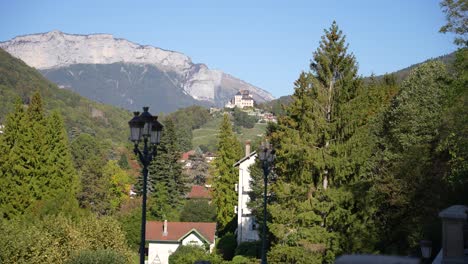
(426, 250)
(267, 156)
(145, 127)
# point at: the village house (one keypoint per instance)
(165, 237)
(246, 223)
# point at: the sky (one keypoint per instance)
(265, 43)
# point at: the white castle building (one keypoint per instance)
(242, 99)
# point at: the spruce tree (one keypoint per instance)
(62, 174)
(225, 175)
(36, 167)
(165, 172)
(14, 197)
(89, 159)
(318, 179)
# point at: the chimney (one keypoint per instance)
(247, 148)
(165, 228)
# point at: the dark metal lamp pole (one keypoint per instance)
(146, 127)
(267, 156)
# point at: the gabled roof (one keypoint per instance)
(199, 192)
(176, 231)
(245, 158)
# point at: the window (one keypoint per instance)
(253, 224)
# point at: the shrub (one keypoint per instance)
(227, 245)
(249, 249)
(189, 255)
(103, 256)
(198, 211)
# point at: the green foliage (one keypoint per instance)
(198, 210)
(131, 226)
(186, 120)
(199, 172)
(284, 254)
(167, 183)
(276, 106)
(225, 175)
(226, 246)
(80, 114)
(123, 162)
(457, 20)
(243, 260)
(454, 131)
(242, 119)
(159, 205)
(249, 249)
(322, 145)
(190, 255)
(118, 184)
(97, 257)
(89, 159)
(36, 165)
(55, 239)
(410, 170)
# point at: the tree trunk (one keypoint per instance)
(327, 142)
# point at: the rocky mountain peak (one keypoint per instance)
(57, 50)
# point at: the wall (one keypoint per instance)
(244, 217)
(162, 250)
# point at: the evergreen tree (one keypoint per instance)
(319, 162)
(123, 161)
(225, 175)
(165, 172)
(199, 172)
(89, 159)
(36, 167)
(14, 197)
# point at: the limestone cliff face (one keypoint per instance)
(56, 52)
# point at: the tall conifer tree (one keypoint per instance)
(315, 166)
(36, 166)
(165, 172)
(225, 176)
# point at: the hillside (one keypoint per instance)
(18, 80)
(206, 137)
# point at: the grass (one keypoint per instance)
(207, 134)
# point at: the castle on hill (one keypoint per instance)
(242, 99)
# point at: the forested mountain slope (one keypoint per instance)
(17, 80)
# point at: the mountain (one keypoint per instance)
(119, 72)
(81, 115)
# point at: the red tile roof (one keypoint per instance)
(186, 155)
(199, 192)
(178, 230)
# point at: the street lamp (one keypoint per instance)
(145, 127)
(267, 156)
(426, 250)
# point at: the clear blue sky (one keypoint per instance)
(266, 43)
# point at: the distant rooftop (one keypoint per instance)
(199, 192)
